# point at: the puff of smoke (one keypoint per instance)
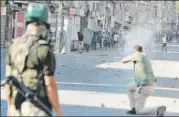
(139, 35)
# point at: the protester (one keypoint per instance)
(164, 43)
(144, 84)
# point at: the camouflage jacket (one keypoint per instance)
(26, 57)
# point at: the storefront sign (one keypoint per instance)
(19, 24)
(3, 11)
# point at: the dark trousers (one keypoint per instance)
(164, 45)
(86, 46)
(93, 44)
(100, 43)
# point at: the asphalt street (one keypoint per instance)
(93, 83)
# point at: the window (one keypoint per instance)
(97, 6)
(115, 10)
(82, 4)
(71, 3)
(65, 3)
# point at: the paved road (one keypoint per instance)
(93, 84)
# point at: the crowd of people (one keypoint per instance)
(115, 40)
(100, 40)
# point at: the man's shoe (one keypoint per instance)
(132, 112)
(161, 110)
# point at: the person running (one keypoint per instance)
(144, 84)
(31, 61)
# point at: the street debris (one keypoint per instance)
(174, 101)
(58, 72)
(103, 60)
(117, 75)
(177, 78)
(102, 105)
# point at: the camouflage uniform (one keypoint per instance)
(29, 59)
(26, 58)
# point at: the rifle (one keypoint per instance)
(28, 94)
(3, 83)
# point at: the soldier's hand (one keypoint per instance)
(58, 113)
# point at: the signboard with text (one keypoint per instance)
(19, 26)
(3, 11)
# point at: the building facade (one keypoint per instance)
(104, 16)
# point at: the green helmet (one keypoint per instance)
(36, 12)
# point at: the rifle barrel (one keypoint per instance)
(3, 83)
(23, 90)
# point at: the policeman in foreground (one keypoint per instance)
(144, 85)
(31, 62)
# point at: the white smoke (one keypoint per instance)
(140, 35)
